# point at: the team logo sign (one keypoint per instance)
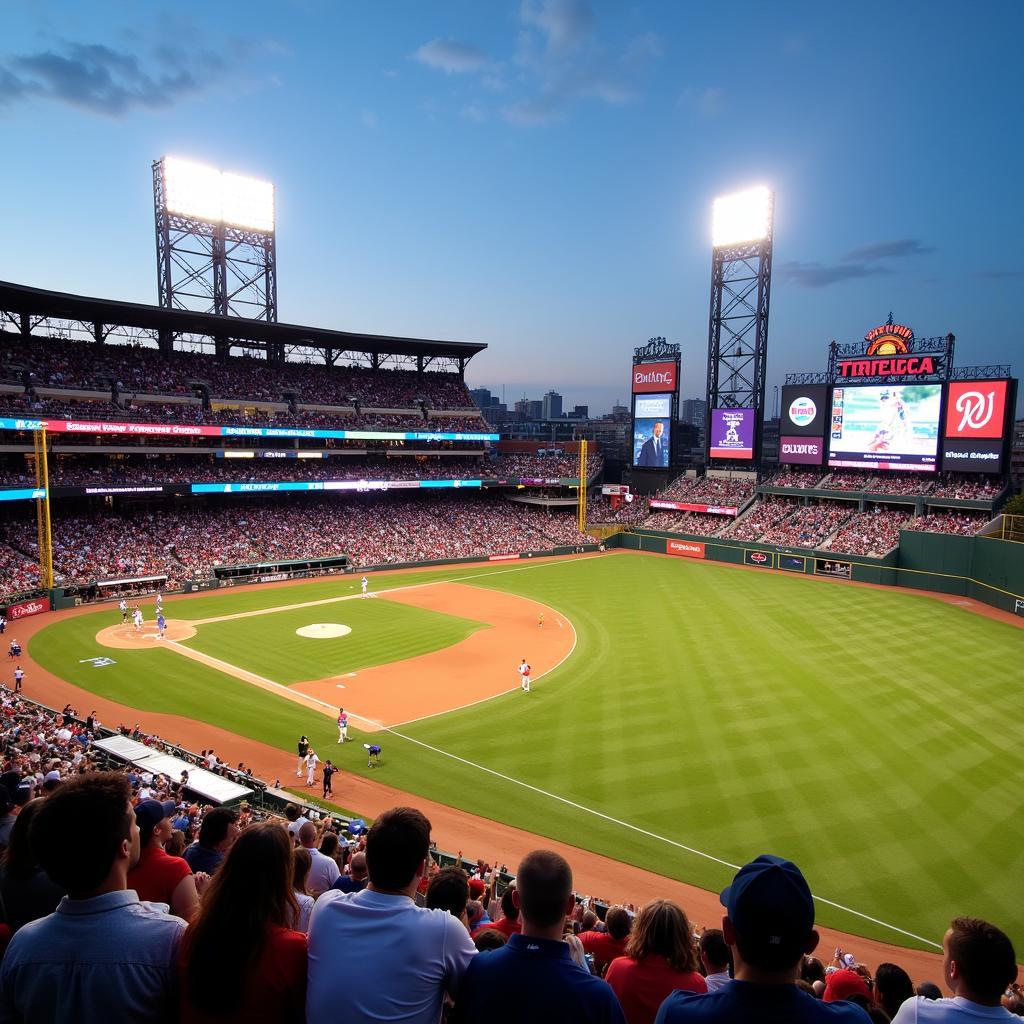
(888, 340)
(976, 409)
(802, 412)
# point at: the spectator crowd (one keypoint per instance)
(123, 900)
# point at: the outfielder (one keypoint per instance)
(524, 676)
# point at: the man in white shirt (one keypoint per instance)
(714, 955)
(979, 964)
(407, 957)
(325, 871)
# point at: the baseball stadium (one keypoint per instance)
(235, 550)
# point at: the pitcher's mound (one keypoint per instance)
(125, 638)
(324, 630)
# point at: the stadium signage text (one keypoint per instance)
(27, 608)
(687, 548)
(901, 366)
(654, 377)
(682, 506)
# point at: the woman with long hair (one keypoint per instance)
(240, 959)
(660, 957)
(300, 876)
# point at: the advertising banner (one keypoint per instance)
(683, 506)
(21, 493)
(653, 377)
(762, 559)
(792, 563)
(975, 427)
(832, 567)
(615, 488)
(732, 434)
(189, 430)
(803, 410)
(652, 431)
(24, 609)
(686, 548)
(885, 426)
(802, 451)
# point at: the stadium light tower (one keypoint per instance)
(215, 240)
(741, 278)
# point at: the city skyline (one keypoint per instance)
(538, 175)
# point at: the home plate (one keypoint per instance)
(324, 630)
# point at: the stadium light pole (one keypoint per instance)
(741, 275)
(215, 240)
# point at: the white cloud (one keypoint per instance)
(451, 57)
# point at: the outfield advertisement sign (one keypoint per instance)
(684, 506)
(24, 609)
(803, 410)
(762, 559)
(833, 567)
(801, 451)
(21, 493)
(189, 430)
(792, 563)
(329, 485)
(686, 548)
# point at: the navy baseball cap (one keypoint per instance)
(149, 813)
(770, 902)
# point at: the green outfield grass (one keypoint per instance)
(873, 736)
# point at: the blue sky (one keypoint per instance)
(537, 175)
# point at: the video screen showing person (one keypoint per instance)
(652, 431)
(886, 426)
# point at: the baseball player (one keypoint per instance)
(540, 620)
(161, 623)
(19, 677)
(303, 749)
(524, 676)
(159, 602)
(342, 726)
(137, 619)
(123, 608)
(14, 649)
(373, 754)
(365, 584)
(311, 762)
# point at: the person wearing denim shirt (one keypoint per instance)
(102, 955)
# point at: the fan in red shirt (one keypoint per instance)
(509, 923)
(607, 945)
(661, 957)
(158, 877)
(239, 959)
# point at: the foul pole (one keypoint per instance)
(43, 511)
(581, 503)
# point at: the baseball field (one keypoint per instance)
(684, 716)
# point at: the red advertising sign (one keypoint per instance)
(26, 608)
(902, 366)
(501, 558)
(683, 506)
(687, 548)
(976, 408)
(654, 377)
(104, 427)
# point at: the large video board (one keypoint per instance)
(974, 433)
(887, 426)
(652, 431)
(732, 434)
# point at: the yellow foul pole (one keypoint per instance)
(43, 511)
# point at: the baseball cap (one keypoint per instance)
(149, 813)
(843, 984)
(476, 888)
(770, 904)
(53, 776)
(849, 961)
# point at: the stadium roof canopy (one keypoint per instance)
(35, 311)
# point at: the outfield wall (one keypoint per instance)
(983, 568)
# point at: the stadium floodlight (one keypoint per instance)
(742, 217)
(207, 194)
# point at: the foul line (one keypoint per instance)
(639, 830)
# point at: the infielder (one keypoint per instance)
(365, 584)
(161, 623)
(524, 676)
(137, 619)
(159, 602)
(342, 726)
(123, 608)
(311, 762)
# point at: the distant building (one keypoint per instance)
(695, 411)
(580, 412)
(620, 412)
(522, 410)
(536, 410)
(552, 406)
(482, 397)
